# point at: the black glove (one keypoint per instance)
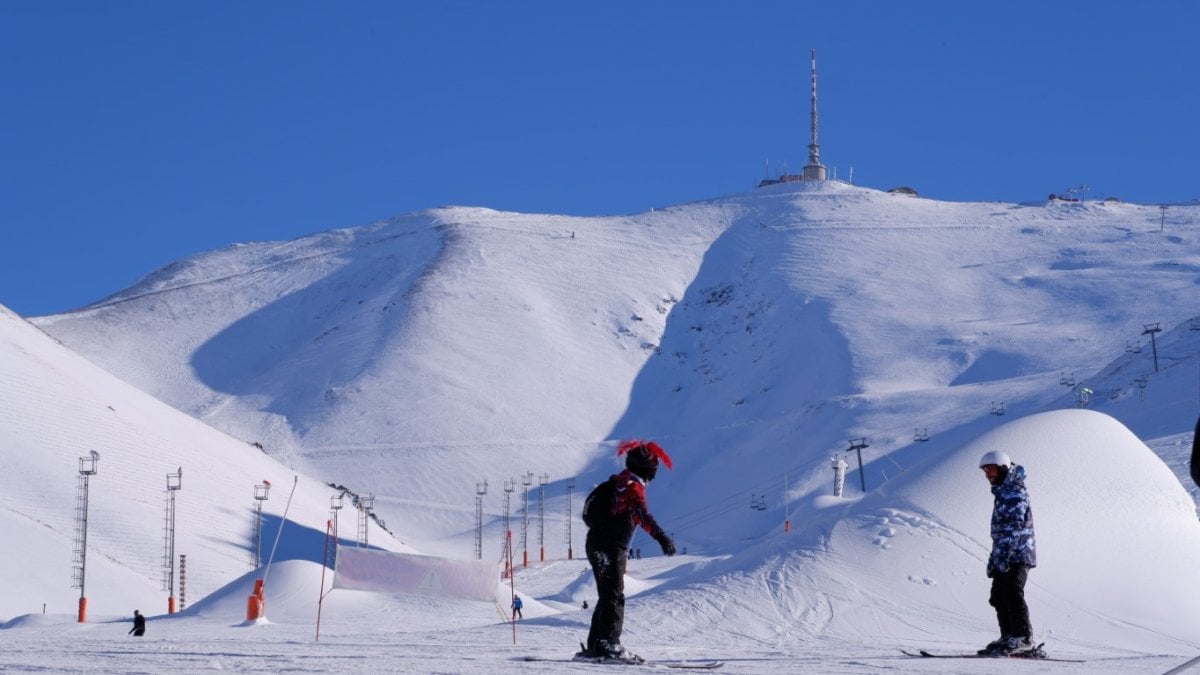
(668, 546)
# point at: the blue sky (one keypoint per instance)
(136, 133)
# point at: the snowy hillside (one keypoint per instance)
(58, 408)
(755, 336)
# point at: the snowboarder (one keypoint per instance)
(139, 624)
(612, 512)
(516, 608)
(1013, 553)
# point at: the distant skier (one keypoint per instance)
(612, 512)
(139, 624)
(516, 608)
(1196, 454)
(1013, 553)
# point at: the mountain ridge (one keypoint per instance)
(457, 344)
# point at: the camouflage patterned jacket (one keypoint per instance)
(1012, 524)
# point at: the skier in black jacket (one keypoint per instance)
(612, 512)
(139, 624)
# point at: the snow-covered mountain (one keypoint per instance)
(754, 336)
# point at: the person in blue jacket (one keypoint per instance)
(1014, 553)
(516, 608)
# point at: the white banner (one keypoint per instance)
(360, 569)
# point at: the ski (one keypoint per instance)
(1035, 654)
(676, 665)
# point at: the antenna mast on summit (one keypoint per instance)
(814, 170)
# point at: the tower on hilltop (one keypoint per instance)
(814, 170)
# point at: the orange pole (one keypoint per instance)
(787, 526)
(171, 604)
(82, 609)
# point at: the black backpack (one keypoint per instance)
(597, 508)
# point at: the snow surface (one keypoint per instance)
(754, 335)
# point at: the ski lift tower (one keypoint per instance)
(839, 475)
(336, 502)
(174, 483)
(365, 506)
(480, 491)
(526, 481)
(87, 469)
(858, 445)
(509, 486)
(1151, 329)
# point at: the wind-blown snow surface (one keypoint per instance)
(754, 336)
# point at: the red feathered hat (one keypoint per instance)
(644, 451)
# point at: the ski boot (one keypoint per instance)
(993, 646)
(608, 652)
(1015, 646)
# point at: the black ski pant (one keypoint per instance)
(1008, 597)
(608, 568)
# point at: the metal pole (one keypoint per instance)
(1151, 329)
(480, 491)
(570, 517)
(262, 492)
(857, 445)
(83, 549)
(87, 469)
(787, 518)
(321, 597)
(282, 520)
(174, 483)
(542, 481)
(526, 481)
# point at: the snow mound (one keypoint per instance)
(906, 564)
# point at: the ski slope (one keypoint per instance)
(753, 335)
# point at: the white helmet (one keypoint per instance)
(994, 457)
